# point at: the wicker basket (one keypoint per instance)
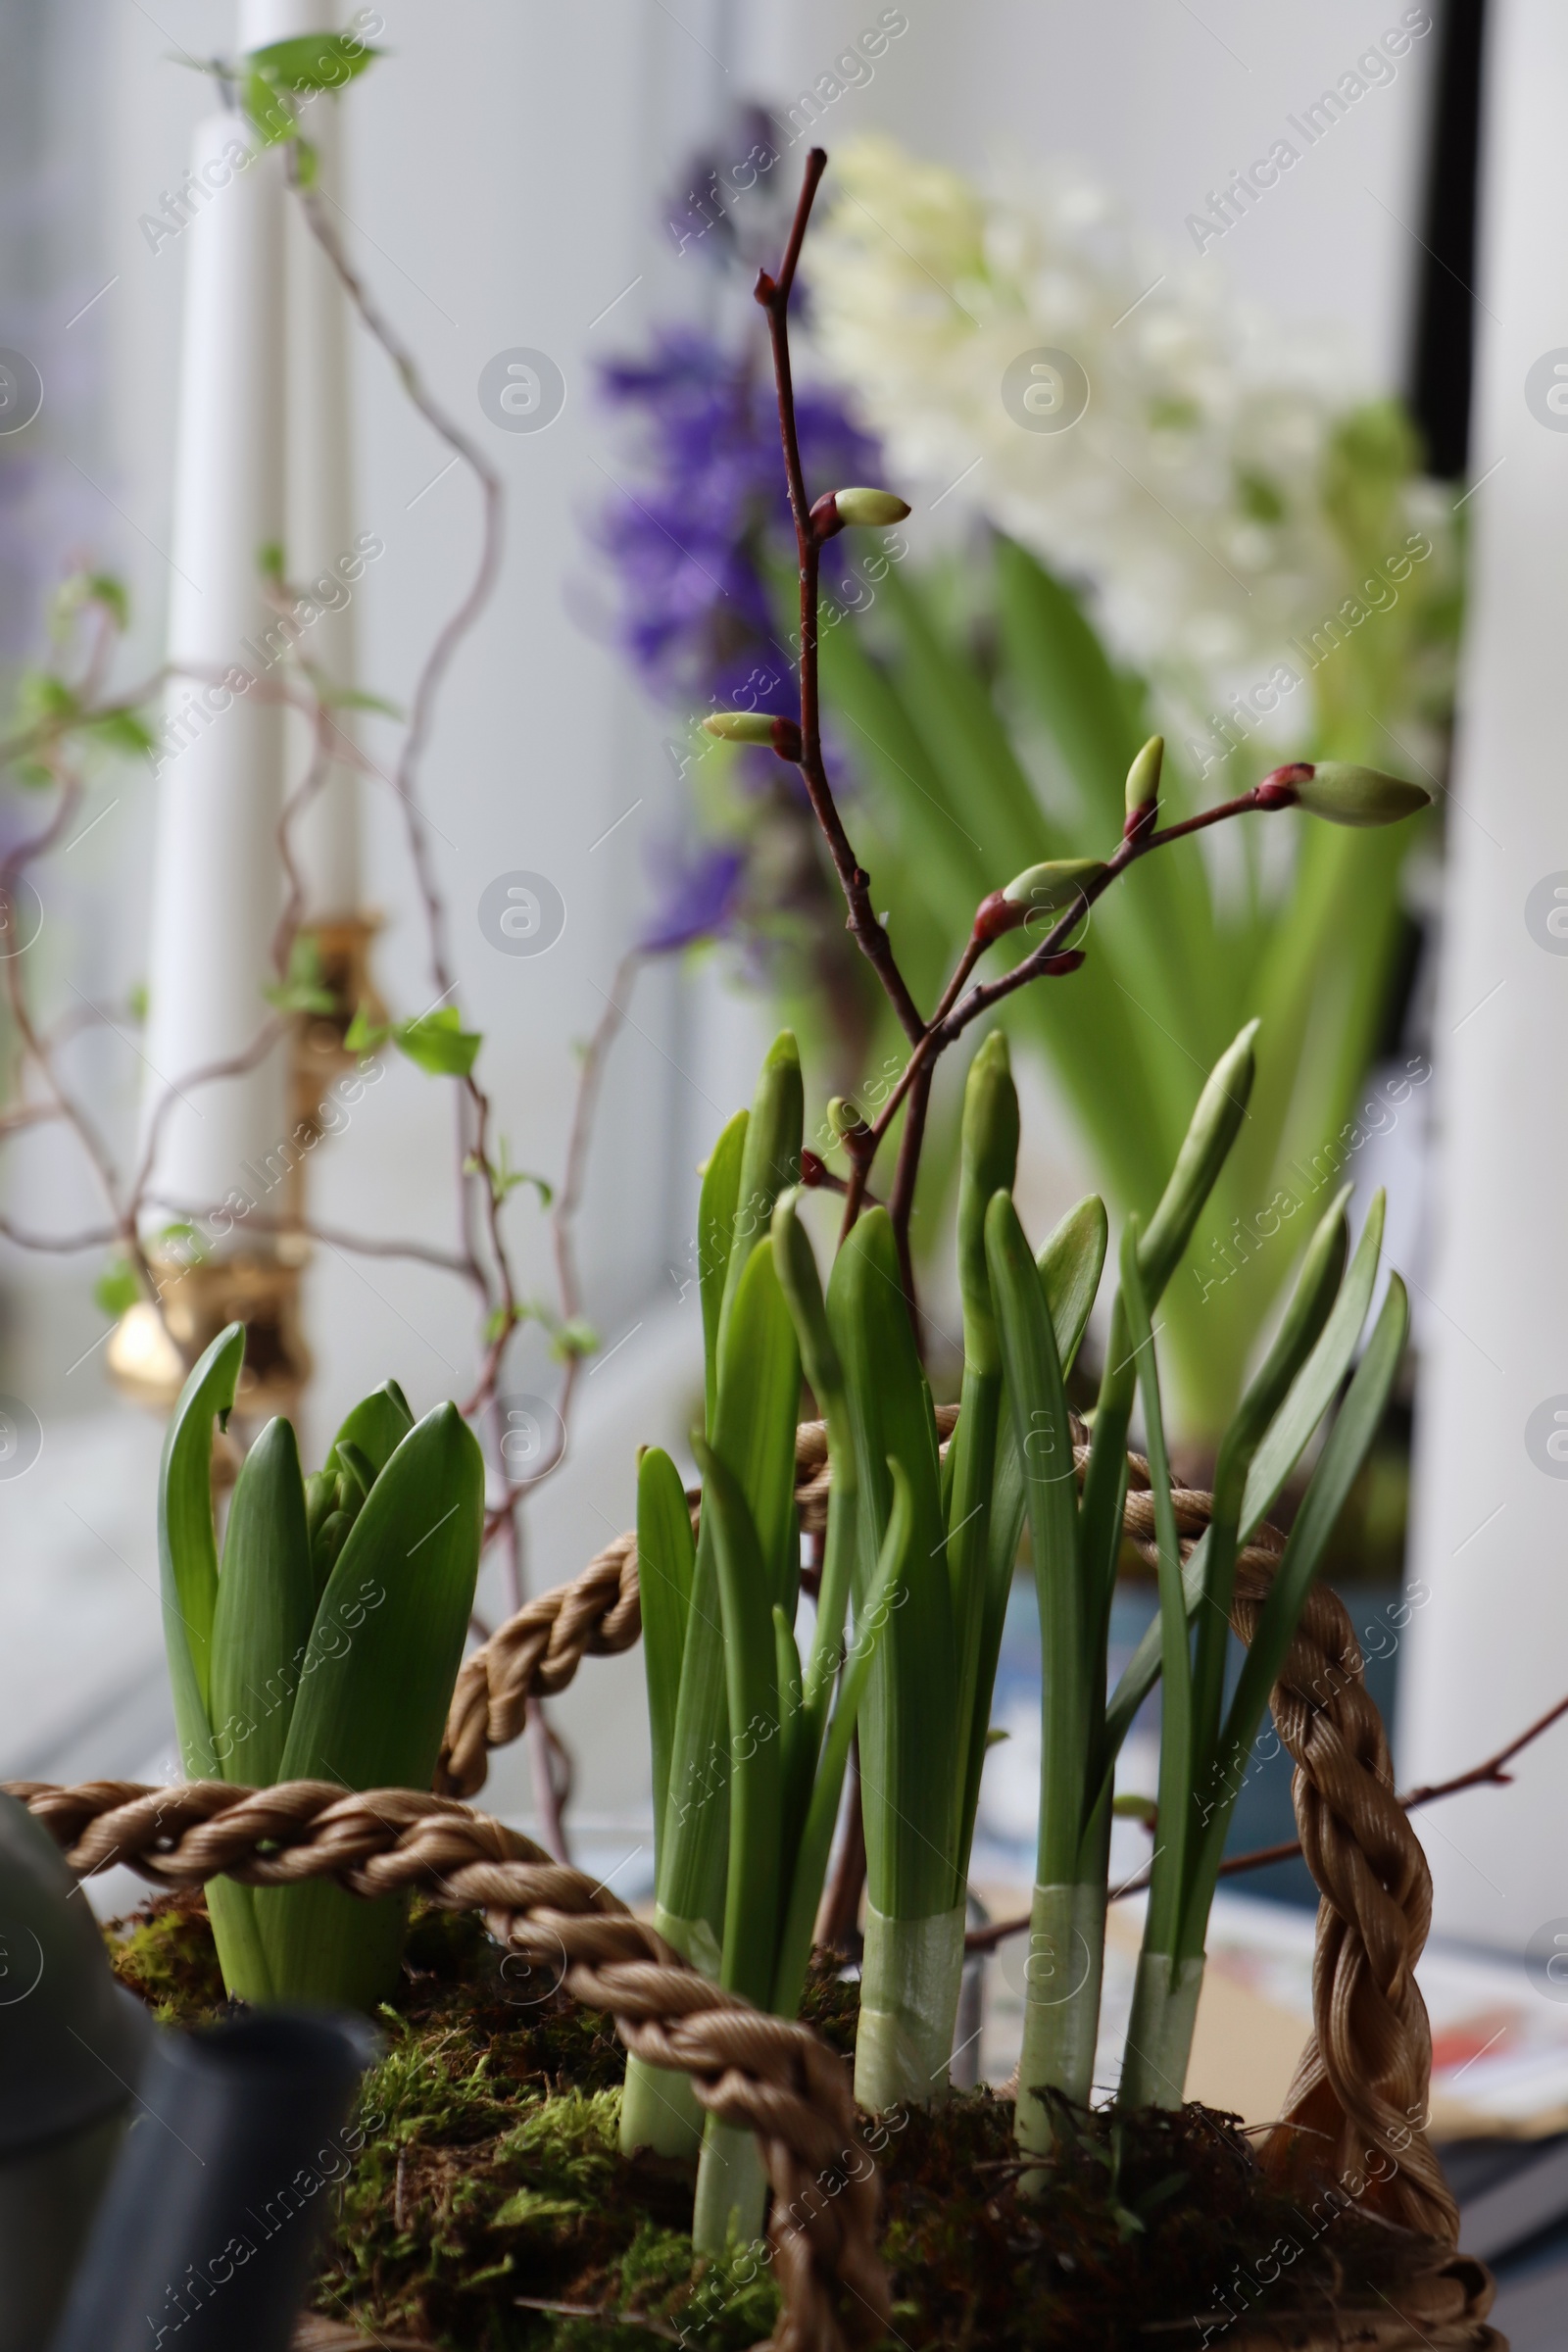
(1355, 2109)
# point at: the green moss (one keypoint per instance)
(165, 1953)
(490, 2208)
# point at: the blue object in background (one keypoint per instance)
(1263, 1815)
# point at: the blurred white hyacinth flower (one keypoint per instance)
(1223, 491)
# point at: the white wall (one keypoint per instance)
(1489, 1651)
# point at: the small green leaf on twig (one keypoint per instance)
(353, 698)
(181, 1240)
(313, 61)
(573, 1337)
(303, 989)
(117, 1289)
(365, 1036)
(439, 1043)
(269, 114)
(125, 731)
(87, 588)
(505, 1178)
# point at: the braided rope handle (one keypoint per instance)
(1360, 2091)
(765, 2075)
(1360, 2094)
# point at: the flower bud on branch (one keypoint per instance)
(874, 509)
(1142, 789)
(1346, 794)
(781, 735)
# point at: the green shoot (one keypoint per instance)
(325, 1648)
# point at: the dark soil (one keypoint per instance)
(490, 2208)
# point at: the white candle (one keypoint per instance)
(320, 467)
(217, 881)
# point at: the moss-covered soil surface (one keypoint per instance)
(488, 2208)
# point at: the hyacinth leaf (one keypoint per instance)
(908, 1748)
(756, 1781)
(1088, 1029)
(376, 1426)
(374, 1688)
(665, 1558)
(187, 1542)
(1053, 650)
(715, 1230)
(266, 1609)
(267, 1597)
(1042, 1436)
(1315, 1389)
(1344, 1450)
(823, 1813)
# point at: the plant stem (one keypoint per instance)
(910, 1980)
(1159, 2031)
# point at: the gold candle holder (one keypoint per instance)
(150, 1354)
(343, 959)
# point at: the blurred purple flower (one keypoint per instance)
(694, 540)
(697, 894)
(698, 540)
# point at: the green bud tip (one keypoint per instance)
(844, 1116)
(873, 510)
(992, 1054)
(1142, 785)
(781, 735)
(1044, 889)
(1346, 794)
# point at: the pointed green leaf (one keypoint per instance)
(666, 1556)
(756, 1780)
(1346, 1448)
(771, 1161)
(1314, 1391)
(313, 61)
(1169, 1875)
(187, 1542)
(1070, 1266)
(265, 1608)
(378, 1426)
(887, 1589)
(374, 1688)
(716, 1231)
(1042, 1436)
(910, 1754)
